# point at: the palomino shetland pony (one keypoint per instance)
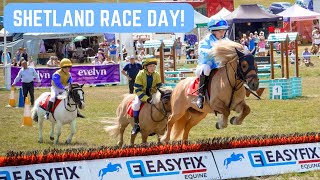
(152, 118)
(64, 113)
(225, 87)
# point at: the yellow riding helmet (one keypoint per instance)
(149, 61)
(65, 63)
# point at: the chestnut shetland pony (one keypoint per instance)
(152, 118)
(225, 88)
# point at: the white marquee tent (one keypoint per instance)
(200, 20)
(298, 13)
(222, 13)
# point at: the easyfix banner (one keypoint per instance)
(54, 171)
(182, 166)
(269, 160)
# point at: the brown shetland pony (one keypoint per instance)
(227, 92)
(152, 118)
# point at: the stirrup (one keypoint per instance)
(136, 129)
(46, 116)
(200, 102)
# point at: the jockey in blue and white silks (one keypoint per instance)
(217, 27)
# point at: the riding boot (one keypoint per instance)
(79, 114)
(49, 107)
(202, 90)
(136, 127)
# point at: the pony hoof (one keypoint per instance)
(51, 138)
(233, 120)
(40, 141)
(68, 141)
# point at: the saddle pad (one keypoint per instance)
(130, 110)
(45, 100)
(193, 87)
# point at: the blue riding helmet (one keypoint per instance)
(217, 23)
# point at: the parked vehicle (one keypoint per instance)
(278, 7)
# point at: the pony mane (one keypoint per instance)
(224, 51)
(157, 96)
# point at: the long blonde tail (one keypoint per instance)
(113, 130)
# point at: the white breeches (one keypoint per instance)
(136, 104)
(54, 92)
(203, 69)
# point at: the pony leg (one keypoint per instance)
(132, 139)
(224, 110)
(40, 124)
(196, 117)
(144, 137)
(122, 129)
(173, 118)
(244, 110)
(52, 131)
(73, 131)
(58, 132)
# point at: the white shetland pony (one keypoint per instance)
(64, 113)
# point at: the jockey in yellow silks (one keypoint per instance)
(217, 27)
(60, 82)
(146, 83)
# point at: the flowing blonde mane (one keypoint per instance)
(224, 51)
(157, 96)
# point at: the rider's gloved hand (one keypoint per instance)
(149, 100)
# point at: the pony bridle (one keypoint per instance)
(243, 76)
(72, 95)
(164, 111)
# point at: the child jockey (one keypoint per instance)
(217, 27)
(146, 83)
(61, 80)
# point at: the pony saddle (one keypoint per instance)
(192, 88)
(130, 110)
(45, 100)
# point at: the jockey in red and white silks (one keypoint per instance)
(217, 27)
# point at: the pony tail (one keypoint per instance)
(113, 130)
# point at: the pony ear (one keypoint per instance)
(239, 53)
(81, 85)
(162, 92)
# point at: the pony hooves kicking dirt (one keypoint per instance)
(225, 92)
(153, 117)
(65, 112)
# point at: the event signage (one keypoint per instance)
(98, 17)
(101, 74)
(182, 166)
(269, 160)
(54, 171)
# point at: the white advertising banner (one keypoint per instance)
(269, 160)
(53, 171)
(199, 165)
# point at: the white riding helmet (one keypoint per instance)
(217, 23)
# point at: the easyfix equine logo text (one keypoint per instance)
(51, 173)
(165, 167)
(301, 156)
